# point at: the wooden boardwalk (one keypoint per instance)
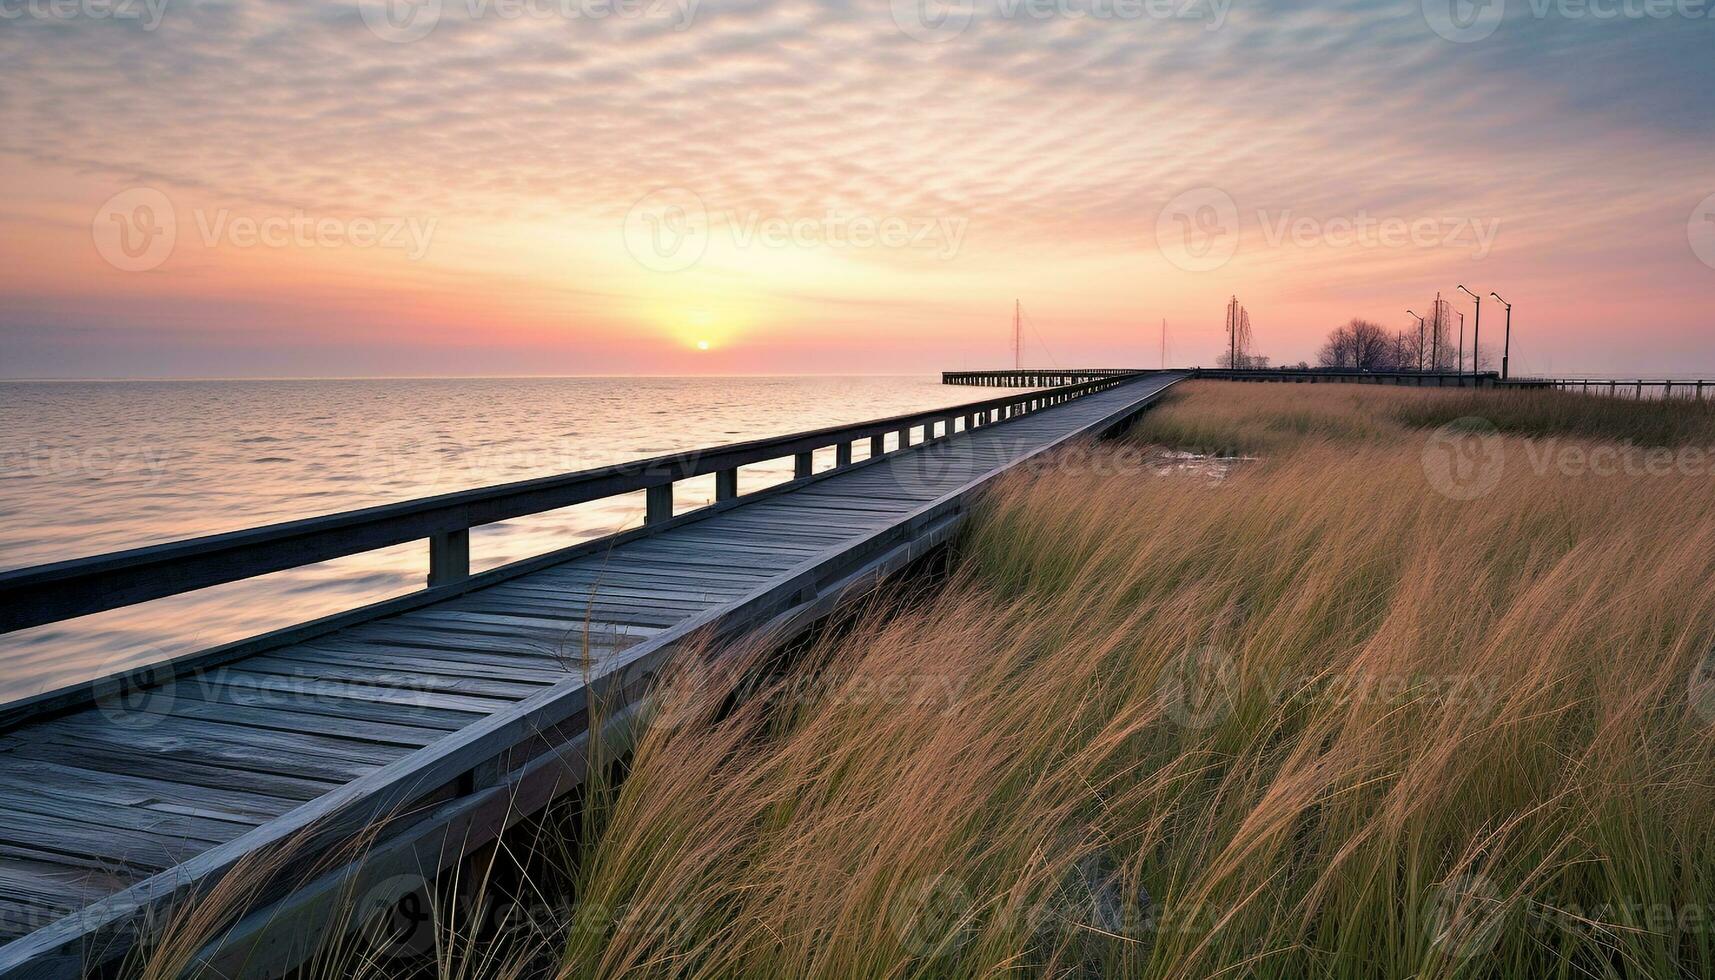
(451, 713)
(1032, 377)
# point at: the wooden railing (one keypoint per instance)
(1424, 379)
(1033, 377)
(64, 590)
(1621, 388)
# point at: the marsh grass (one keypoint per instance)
(1313, 720)
(1225, 418)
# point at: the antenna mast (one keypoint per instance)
(1017, 335)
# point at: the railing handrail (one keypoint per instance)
(1345, 372)
(1619, 381)
(42, 594)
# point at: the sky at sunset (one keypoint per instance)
(454, 187)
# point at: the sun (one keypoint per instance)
(702, 345)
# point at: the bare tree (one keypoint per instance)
(1403, 352)
(1360, 345)
(1238, 353)
(1443, 354)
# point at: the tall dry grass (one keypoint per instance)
(1316, 719)
(1370, 706)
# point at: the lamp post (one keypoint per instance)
(1476, 337)
(1460, 364)
(1419, 342)
(1507, 345)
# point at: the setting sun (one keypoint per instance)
(702, 345)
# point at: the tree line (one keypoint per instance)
(1364, 345)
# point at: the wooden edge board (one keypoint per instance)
(355, 804)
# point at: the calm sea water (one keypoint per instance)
(92, 467)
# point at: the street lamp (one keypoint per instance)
(1461, 361)
(1419, 342)
(1507, 346)
(1476, 337)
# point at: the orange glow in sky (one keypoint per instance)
(806, 187)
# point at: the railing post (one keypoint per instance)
(726, 484)
(877, 445)
(904, 438)
(843, 453)
(801, 465)
(449, 557)
(657, 503)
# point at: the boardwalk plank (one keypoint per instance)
(254, 743)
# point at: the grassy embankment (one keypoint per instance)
(1394, 700)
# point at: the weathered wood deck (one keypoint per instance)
(439, 712)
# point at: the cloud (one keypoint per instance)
(1059, 135)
